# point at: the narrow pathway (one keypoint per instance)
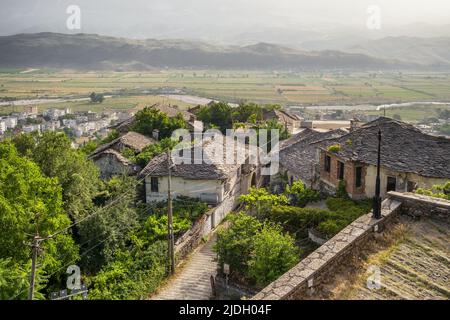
(192, 280)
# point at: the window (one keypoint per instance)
(358, 177)
(411, 186)
(154, 184)
(391, 184)
(340, 173)
(327, 163)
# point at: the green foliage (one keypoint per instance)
(78, 176)
(340, 213)
(272, 125)
(301, 194)
(149, 119)
(235, 244)
(155, 227)
(89, 147)
(96, 98)
(247, 112)
(274, 253)
(259, 200)
(218, 114)
(111, 226)
(259, 251)
(133, 274)
(334, 148)
(153, 150)
(30, 201)
(113, 135)
(341, 190)
(15, 281)
(437, 191)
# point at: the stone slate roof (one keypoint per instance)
(298, 154)
(404, 148)
(172, 111)
(213, 170)
(132, 140)
(114, 153)
(280, 115)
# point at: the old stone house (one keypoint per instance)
(110, 160)
(409, 159)
(299, 157)
(291, 122)
(211, 180)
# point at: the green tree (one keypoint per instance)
(30, 202)
(217, 115)
(301, 194)
(235, 244)
(274, 253)
(247, 112)
(260, 201)
(149, 119)
(78, 176)
(110, 228)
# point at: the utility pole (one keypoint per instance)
(377, 198)
(170, 217)
(35, 249)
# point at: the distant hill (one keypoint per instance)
(89, 51)
(424, 51)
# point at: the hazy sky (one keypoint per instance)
(210, 18)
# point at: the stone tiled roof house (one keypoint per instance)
(109, 158)
(211, 180)
(409, 159)
(299, 156)
(290, 121)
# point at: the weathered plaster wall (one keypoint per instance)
(109, 166)
(185, 187)
(402, 179)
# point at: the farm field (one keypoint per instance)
(132, 89)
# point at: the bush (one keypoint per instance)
(341, 191)
(132, 275)
(437, 191)
(259, 200)
(274, 253)
(235, 244)
(301, 194)
(334, 148)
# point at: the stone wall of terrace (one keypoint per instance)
(301, 281)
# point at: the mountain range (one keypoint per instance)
(95, 52)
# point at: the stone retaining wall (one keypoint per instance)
(422, 206)
(301, 280)
(203, 227)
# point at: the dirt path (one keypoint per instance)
(192, 279)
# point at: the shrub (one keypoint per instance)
(260, 200)
(341, 191)
(235, 244)
(274, 253)
(334, 148)
(437, 191)
(301, 194)
(133, 274)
